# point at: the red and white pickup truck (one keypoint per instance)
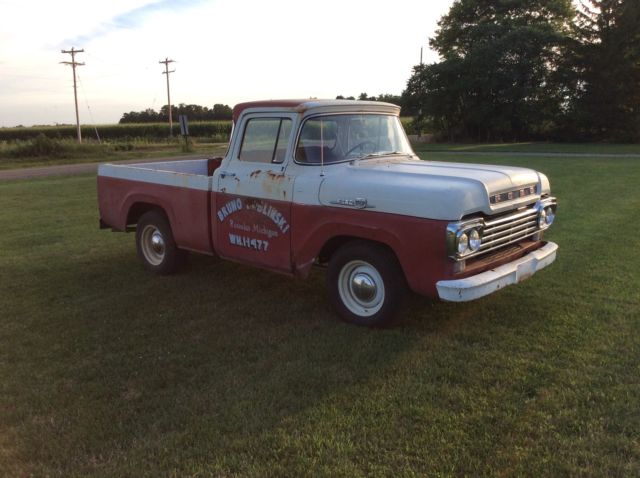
(336, 183)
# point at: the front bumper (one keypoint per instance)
(474, 287)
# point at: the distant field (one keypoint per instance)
(36, 153)
(226, 370)
(119, 132)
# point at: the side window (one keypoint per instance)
(265, 140)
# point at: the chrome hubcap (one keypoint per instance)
(153, 245)
(157, 243)
(361, 288)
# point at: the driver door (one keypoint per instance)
(253, 205)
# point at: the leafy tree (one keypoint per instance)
(221, 112)
(389, 98)
(498, 77)
(146, 116)
(607, 62)
(164, 113)
(193, 112)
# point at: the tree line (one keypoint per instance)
(218, 112)
(386, 97)
(532, 69)
(193, 112)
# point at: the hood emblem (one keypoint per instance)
(515, 194)
(358, 203)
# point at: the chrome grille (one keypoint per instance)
(508, 229)
(497, 232)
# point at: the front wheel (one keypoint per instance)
(365, 283)
(155, 244)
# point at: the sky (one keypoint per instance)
(225, 51)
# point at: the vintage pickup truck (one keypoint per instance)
(336, 183)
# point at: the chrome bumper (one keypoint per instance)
(474, 287)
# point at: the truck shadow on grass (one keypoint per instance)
(228, 369)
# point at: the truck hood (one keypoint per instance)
(428, 189)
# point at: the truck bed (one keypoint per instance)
(181, 188)
(185, 173)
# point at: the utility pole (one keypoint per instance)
(166, 71)
(73, 64)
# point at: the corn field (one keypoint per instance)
(219, 130)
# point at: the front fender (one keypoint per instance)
(419, 244)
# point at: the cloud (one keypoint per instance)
(133, 18)
(226, 51)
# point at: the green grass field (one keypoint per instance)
(92, 152)
(118, 132)
(555, 148)
(225, 370)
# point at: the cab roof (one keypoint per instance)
(300, 106)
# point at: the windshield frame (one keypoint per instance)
(349, 160)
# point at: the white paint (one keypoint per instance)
(432, 190)
(394, 185)
(485, 283)
(256, 179)
(183, 174)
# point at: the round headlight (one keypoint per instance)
(474, 240)
(550, 215)
(542, 218)
(463, 243)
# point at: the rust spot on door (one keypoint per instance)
(275, 176)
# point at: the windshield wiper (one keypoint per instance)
(380, 154)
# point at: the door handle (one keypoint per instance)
(224, 174)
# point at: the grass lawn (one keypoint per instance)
(225, 370)
(95, 153)
(572, 148)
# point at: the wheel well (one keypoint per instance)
(335, 243)
(138, 209)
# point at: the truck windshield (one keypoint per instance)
(334, 138)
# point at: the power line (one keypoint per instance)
(73, 64)
(93, 122)
(166, 71)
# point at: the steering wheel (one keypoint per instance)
(359, 145)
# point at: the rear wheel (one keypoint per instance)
(365, 283)
(155, 244)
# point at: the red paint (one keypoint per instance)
(296, 234)
(213, 164)
(499, 257)
(253, 231)
(419, 244)
(187, 209)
